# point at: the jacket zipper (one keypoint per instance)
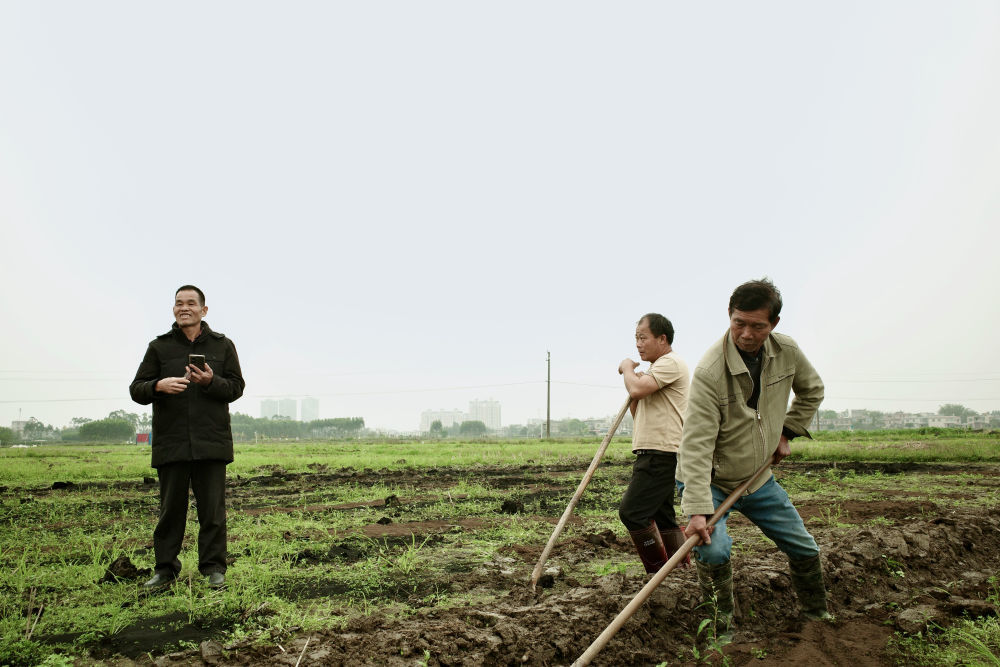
(760, 397)
(760, 420)
(760, 427)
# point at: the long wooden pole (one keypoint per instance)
(647, 590)
(537, 572)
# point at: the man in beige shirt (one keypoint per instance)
(659, 400)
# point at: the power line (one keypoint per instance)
(585, 384)
(298, 394)
(62, 400)
(119, 378)
(909, 399)
(996, 379)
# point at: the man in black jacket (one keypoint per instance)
(192, 439)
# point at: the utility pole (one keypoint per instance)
(548, 395)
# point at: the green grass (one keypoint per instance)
(56, 544)
(44, 464)
(919, 445)
(966, 643)
(97, 463)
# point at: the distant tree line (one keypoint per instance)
(466, 429)
(562, 428)
(247, 428)
(121, 426)
(118, 426)
(875, 420)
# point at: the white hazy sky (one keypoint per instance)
(400, 206)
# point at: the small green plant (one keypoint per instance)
(831, 517)
(893, 567)
(716, 633)
(407, 561)
(190, 599)
(605, 569)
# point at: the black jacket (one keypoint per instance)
(194, 424)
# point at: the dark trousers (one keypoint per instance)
(650, 494)
(208, 480)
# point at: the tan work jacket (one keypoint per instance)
(725, 441)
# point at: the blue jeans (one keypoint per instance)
(770, 510)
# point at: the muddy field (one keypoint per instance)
(902, 545)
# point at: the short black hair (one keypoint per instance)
(183, 288)
(757, 294)
(659, 326)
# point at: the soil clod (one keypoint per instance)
(512, 507)
(122, 569)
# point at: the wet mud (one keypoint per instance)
(874, 575)
(891, 563)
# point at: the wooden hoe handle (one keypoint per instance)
(579, 492)
(647, 590)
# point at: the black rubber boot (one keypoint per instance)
(716, 583)
(807, 579)
(649, 545)
(673, 539)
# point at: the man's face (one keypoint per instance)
(650, 347)
(188, 310)
(750, 329)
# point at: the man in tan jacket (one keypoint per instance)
(738, 419)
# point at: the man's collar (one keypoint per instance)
(753, 357)
(734, 356)
(204, 330)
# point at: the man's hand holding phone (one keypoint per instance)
(198, 370)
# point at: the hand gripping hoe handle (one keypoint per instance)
(579, 492)
(647, 590)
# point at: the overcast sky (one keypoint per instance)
(401, 206)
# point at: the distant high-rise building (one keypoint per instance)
(288, 407)
(310, 409)
(448, 418)
(487, 412)
(268, 408)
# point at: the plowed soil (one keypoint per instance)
(891, 555)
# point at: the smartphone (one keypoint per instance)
(197, 360)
